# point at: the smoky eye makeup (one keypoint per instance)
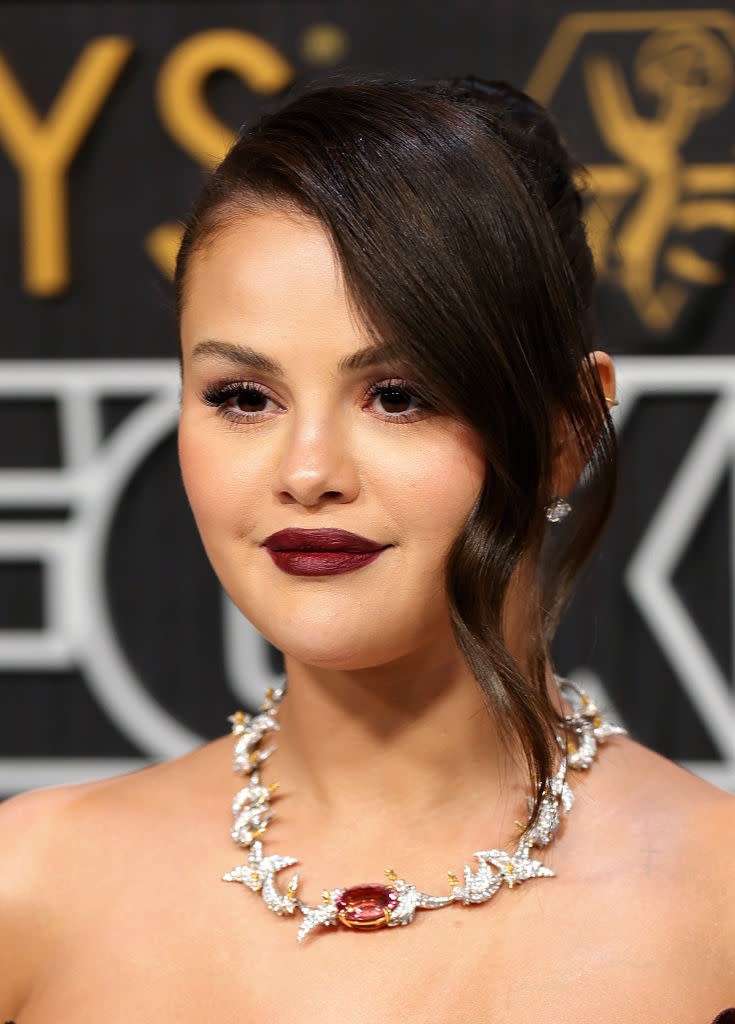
(397, 391)
(236, 399)
(393, 399)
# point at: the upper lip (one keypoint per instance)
(292, 539)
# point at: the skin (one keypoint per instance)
(386, 755)
(362, 672)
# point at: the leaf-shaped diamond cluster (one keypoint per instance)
(251, 808)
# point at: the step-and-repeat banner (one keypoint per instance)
(117, 646)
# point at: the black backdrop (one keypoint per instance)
(116, 646)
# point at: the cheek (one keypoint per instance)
(219, 482)
(196, 468)
(424, 494)
(437, 492)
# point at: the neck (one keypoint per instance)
(413, 737)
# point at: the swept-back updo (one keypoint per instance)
(453, 211)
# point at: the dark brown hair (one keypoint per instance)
(453, 210)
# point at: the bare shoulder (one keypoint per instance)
(682, 828)
(59, 845)
(701, 834)
(674, 794)
(694, 815)
(32, 827)
(70, 826)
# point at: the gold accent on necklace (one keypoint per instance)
(370, 905)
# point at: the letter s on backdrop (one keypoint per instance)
(181, 103)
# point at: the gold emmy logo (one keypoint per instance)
(651, 81)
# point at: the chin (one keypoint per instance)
(332, 644)
(339, 655)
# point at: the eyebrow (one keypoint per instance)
(244, 356)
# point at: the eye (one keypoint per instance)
(396, 399)
(238, 400)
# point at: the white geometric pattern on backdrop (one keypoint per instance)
(649, 574)
(78, 631)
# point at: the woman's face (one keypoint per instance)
(279, 432)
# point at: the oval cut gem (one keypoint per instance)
(367, 906)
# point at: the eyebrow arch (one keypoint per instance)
(247, 357)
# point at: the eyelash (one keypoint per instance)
(218, 395)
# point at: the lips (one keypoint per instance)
(320, 540)
(324, 552)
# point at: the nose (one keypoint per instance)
(316, 462)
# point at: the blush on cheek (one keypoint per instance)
(221, 490)
(191, 462)
(203, 482)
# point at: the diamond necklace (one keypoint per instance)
(372, 905)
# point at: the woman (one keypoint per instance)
(388, 394)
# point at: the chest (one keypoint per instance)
(544, 952)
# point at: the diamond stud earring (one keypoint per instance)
(557, 509)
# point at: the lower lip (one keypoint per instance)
(322, 563)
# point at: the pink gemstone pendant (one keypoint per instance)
(367, 906)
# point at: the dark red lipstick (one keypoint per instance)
(323, 552)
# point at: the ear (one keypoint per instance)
(602, 365)
(568, 463)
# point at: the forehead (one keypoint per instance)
(268, 279)
(259, 252)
